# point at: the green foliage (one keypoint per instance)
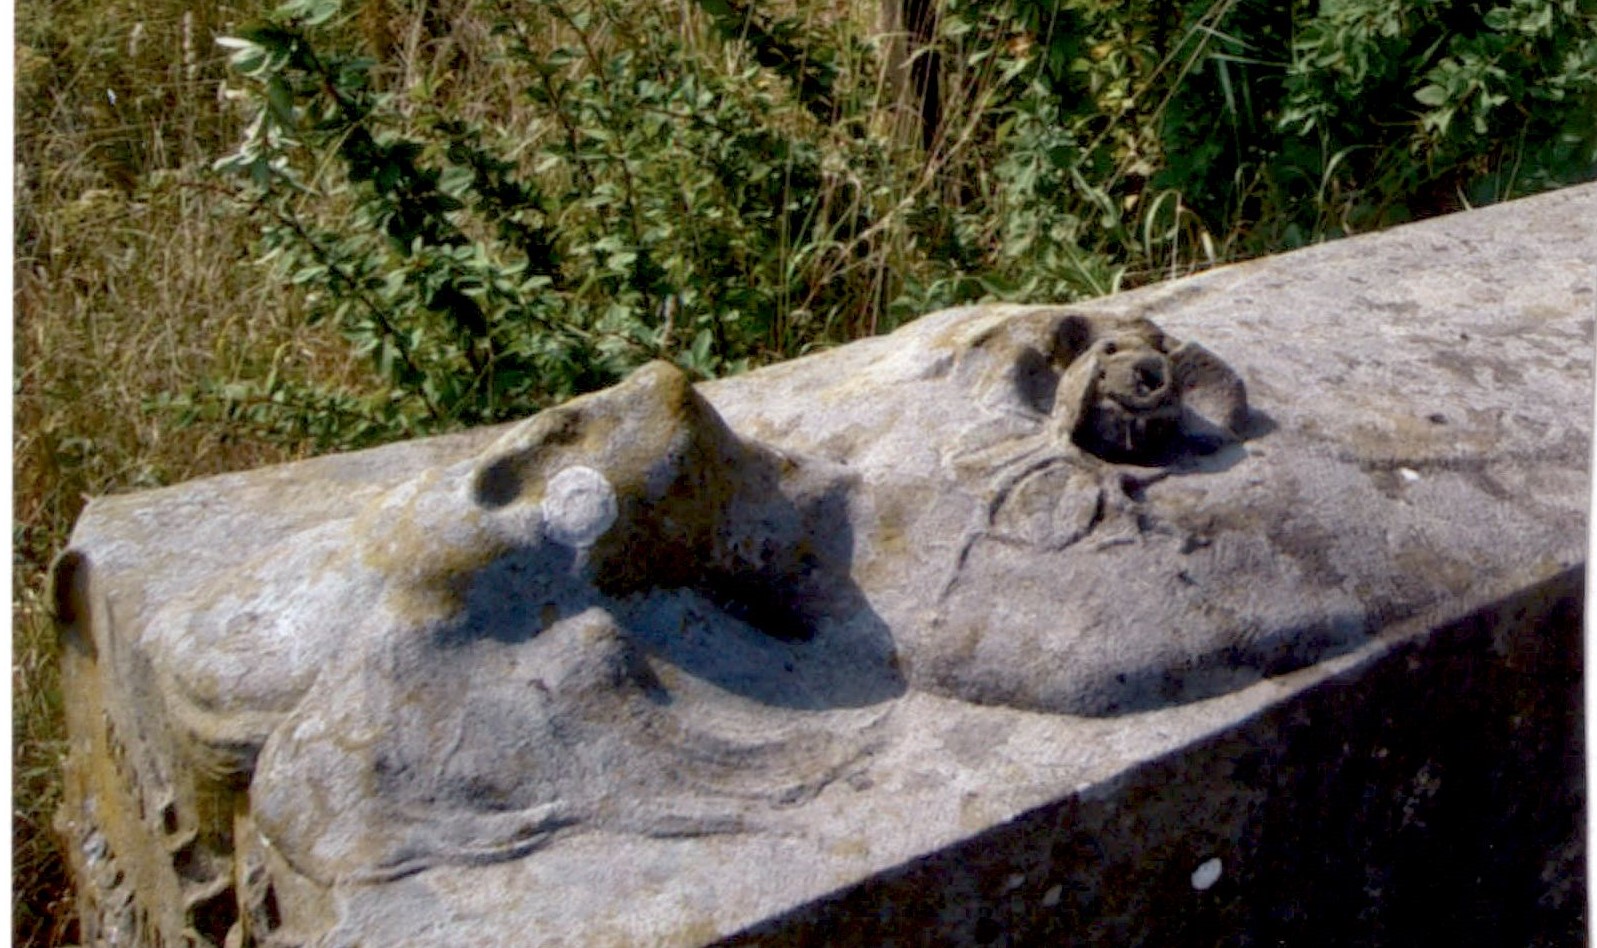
(647, 206)
(727, 192)
(1430, 101)
(1211, 130)
(1274, 125)
(779, 45)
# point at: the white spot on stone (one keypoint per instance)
(1207, 874)
(579, 505)
(1014, 882)
(1408, 474)
(1051, 897)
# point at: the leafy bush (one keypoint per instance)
(1274, 125)
(1488, 102)
(727, 193)
(652, 203)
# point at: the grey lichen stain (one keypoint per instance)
(975, 740)
(1469, 367)
(627, 579)
(521, 645)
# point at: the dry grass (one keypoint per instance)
(41, 894)
(119, 297)
(128, 283)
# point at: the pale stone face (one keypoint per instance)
(802, 625)
(516, 637)
(627, 578)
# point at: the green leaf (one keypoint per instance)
(1432, 95)
(700, 352)
(455, 180)
(280, 98)
(561, 56)
(320, 11)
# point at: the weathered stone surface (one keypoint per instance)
(671, 662)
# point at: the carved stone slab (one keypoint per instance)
(668, 661)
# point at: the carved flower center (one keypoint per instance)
(579, 505)
(1139, 381)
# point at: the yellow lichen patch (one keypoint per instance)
(886, 543)
(975, 811)
(992, 322)
(1418, 559)
(1417, 438)
(621, 432)
(428, 543)
(509, 470)
(417, 541)
(853, 847)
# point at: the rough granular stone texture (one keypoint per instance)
(1241, 609)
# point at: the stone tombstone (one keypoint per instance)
(1019, 625)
